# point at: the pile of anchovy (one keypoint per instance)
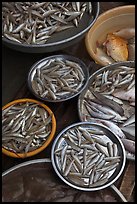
(57, 79)
(25, 127)
(36, 22)
(110, 100)
(86, 156)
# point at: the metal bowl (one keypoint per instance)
(42, 62)
(128, 110)
(60, 40)
(58, 150)
(33, 175)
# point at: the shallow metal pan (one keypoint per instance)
(40, 172)
(91, 79)
(60, 40)
(60, 142)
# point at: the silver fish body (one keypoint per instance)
(30, 19)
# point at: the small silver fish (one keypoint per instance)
(18, 17)
(29, 123)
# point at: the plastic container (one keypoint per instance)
(108, 22)
(48, 140)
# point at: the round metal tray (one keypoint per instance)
(59, 40)
(42, 62)
(130, 111)
(60, 142)
(36, 181)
